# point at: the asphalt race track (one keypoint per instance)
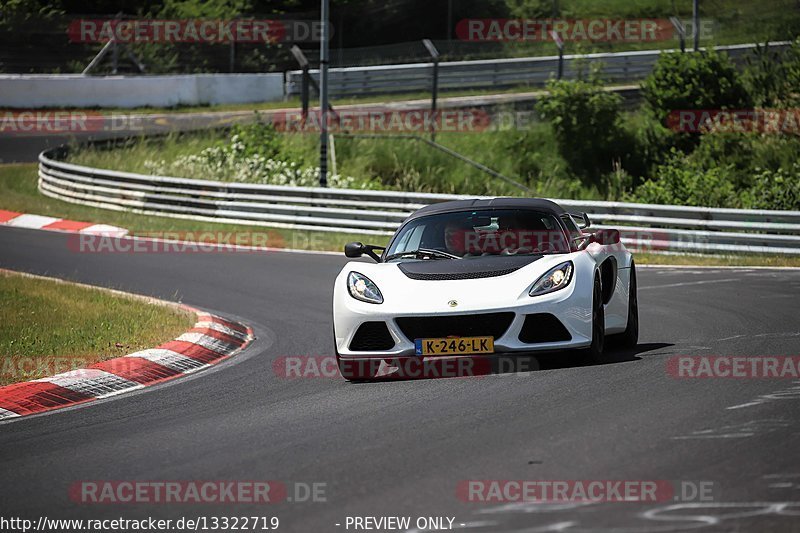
(401, 448)
(26, 147)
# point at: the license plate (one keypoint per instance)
(454, 346)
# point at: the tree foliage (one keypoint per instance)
(694, 80)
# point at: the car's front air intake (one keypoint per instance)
(426, 327)
(372, 336)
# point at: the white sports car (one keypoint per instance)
(488, 276)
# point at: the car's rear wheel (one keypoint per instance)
(630, 337)
(595, 352)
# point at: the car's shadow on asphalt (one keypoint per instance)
(613, 354)
(467, 367)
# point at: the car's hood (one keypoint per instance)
(470, 268)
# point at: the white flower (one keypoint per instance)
(228, 163)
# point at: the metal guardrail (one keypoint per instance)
(643, 226)
(615, 67)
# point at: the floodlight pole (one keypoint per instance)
(323, 97)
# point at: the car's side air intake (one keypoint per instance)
(543, 327)
(372, 336)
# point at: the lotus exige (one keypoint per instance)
(473, 277)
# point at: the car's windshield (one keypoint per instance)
(468, 234)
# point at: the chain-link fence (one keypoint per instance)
(48, 44)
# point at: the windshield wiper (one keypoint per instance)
(422, 252)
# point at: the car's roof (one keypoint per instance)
(452, 206)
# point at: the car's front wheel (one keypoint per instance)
(595, 352)
(630, 337)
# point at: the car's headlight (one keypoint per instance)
(362, 288)
(555, 279)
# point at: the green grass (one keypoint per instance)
(18, 192)
(132, 154)
(717, 260)
(47, 327)
(390, 163)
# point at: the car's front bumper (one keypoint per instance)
(568, 306)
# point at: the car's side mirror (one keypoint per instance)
(606, 237)
(356, 249)
(353, 249)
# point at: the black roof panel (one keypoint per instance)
(452, 206)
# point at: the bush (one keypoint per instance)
(694, 80)
(746, 154)
(586, 123)
(258, 138)
(773, 78)
(651, 142)
(680, 181)
(252, 155)
(779, 189)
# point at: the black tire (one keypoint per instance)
(630, 337)
(595, 353)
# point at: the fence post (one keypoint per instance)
(434, 83)
(323, 97)
(560, 44)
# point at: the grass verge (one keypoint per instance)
(391, 163)
(47, 326)
(18, 192)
